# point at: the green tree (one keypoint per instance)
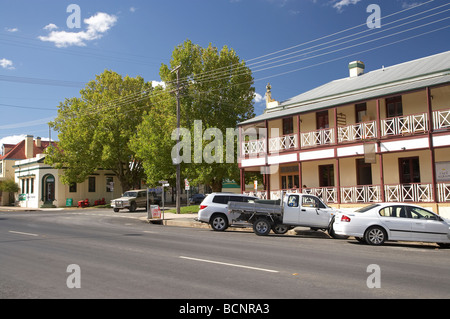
(95, 129)
(153, 142)
(216, 89)
(11, 187)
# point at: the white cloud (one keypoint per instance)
(258, 98)
(132, 9)
(7, 64)
(97, 25)
(15, 139)
(12, 29)
(343, 3)
(50, 27)
(159, 83)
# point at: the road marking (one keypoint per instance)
(20, 233)
(228, 264)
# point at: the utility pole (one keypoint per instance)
(178, 186)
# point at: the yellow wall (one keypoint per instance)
(440, 98)
(391, 169)
(414, 103)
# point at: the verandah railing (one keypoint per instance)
(414, 192)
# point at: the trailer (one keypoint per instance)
(292, 210)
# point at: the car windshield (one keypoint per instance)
(367, 208)
(130, 194)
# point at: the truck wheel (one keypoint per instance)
(116, 210)
(261, 227)
(132, 207)
(219, 222)
(280, 229)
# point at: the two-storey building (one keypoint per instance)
(380, 136)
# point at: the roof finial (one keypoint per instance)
(269, 101)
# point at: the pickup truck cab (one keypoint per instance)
(294, 210)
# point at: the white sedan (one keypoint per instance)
(379, 222)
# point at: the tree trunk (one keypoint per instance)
(216, 185)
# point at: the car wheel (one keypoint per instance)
(375, 236)
(132, 207)
(219, 222)
(280, 229)
(262, 227)
(116, 210)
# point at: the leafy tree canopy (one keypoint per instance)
(95, 129)
(216, 89)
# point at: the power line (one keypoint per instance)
(315, 40)
(27, 107)
(139, 96)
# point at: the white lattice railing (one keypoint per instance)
(441, 119)
(409, 192)
(361, 194)
(404, 124)
(259, 194)
(443, 191)
(360, 131)
(278, 194)
(328, 194)
(319, 137)
(282, 143)
(254, 147)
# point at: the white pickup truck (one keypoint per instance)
(281, 215)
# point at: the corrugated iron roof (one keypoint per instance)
(412, 75)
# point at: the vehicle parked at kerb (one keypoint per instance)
(377, 223)
(214, 210)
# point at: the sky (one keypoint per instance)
(50, 49)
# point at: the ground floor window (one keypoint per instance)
(27, 185)
(109, 184)
(289, 181)
(73, 188)
(91, 184)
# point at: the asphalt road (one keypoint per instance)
(127, 258)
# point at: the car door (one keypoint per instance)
(313, 212)
(427, 226)
(395, 219)
(140, 199)
(291, 211)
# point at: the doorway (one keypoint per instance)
(48, 189)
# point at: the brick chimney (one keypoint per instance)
(38, 142)
(29, 146)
